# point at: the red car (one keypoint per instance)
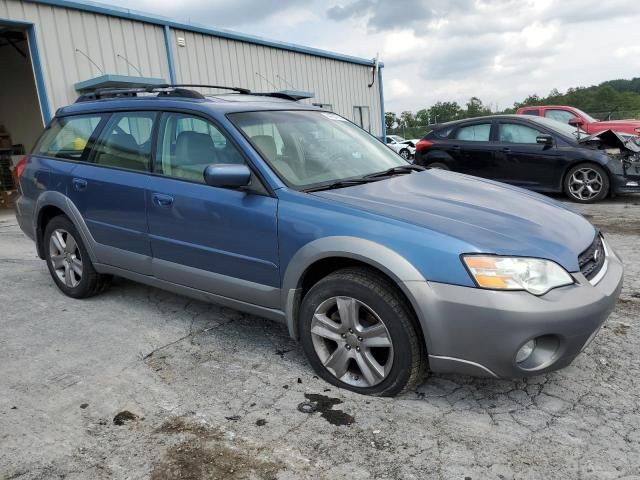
(576, 117)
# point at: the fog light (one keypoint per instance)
(632, 184)
(525, 351)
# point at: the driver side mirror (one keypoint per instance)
(576, 122)
(227, 175)
(544, 139)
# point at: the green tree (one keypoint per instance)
(475, 108)
(390, 120)
(442, 112)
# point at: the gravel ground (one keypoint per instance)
(139, 383)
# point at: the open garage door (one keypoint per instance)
(21, 119)
(19, 105)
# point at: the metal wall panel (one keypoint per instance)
(206, 58)
(60, 31)
(220, 61)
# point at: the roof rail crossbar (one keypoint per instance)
(173, 90)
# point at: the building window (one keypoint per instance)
(324, 106)
(362, 118)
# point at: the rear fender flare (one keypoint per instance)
(61, 201)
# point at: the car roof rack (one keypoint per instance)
(162, 90)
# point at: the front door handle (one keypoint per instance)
(162, 200)
(79, 184)
(506, 149)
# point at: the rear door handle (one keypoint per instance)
(506, 149)
(79, 184)
(162, 200)
(456, 147)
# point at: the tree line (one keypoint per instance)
(610, 99)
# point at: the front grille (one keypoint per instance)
(592, 259)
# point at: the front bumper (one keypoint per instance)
(478, 332)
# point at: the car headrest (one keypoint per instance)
(193, 148)
(267, 146)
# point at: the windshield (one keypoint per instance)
(308, 148)
(586, 116)
(560, 127)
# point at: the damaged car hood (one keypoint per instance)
(612, 139)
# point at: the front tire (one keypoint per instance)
(404, 153)
(68, 260)
(358, 333)
(586, 183)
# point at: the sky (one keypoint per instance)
(444, 50)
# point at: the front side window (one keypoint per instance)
(187, 145)
(310, 148)
(559, 115)
(516, 133)
(67, 137)
(475, 133)
(126, 141)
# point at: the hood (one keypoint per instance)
(610, 138)
(488, 216)
(618, 123)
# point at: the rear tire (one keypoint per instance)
(586, 183)
(68, 260)
(358, 333)
(439, 166)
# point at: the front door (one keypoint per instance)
(527, 163)
(218, 240)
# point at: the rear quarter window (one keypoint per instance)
(67, 137)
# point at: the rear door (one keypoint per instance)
(471, 148)
(218, 240)
(527, 163)
(110, 190)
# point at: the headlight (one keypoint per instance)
(535, 275)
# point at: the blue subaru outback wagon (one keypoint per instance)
(381, 269)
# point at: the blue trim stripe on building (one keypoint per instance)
(382, 116)
(168, 43)
(39, 75)
(94, 7)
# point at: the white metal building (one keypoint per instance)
(52, 49)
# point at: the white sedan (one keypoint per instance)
(405, 148)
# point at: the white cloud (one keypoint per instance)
(498, 50)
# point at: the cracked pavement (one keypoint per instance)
(214, 393)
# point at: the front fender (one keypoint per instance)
(388, 261)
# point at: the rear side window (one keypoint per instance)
(535, 112)
(126, 141)
(475, 133)
(67, 137)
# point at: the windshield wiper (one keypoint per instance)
(341, 184)
(399, 170)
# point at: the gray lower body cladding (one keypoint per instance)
(479, 332)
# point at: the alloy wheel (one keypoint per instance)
(65, 257)
(585, 183)
(352, 342)
(404, 154)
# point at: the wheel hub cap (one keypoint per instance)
(65, 257)
(352, 342)
(585, 184)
